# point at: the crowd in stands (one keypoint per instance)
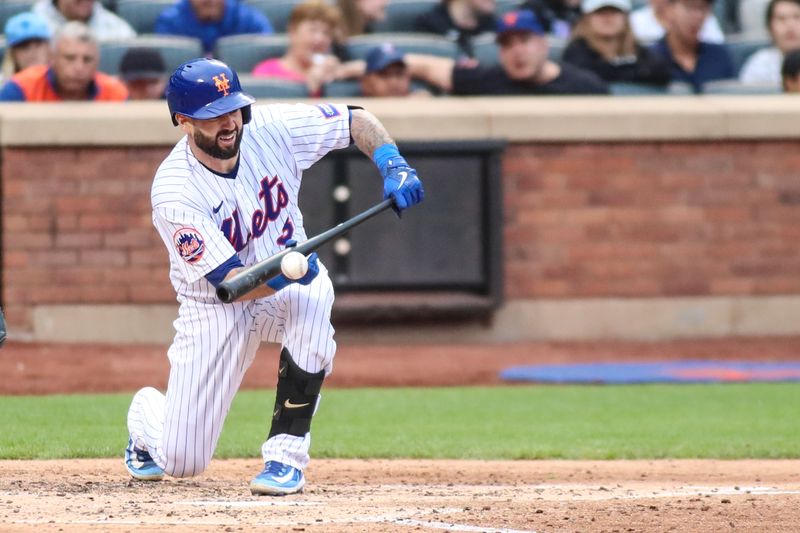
(53, 51)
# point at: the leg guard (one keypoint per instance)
(296, 398)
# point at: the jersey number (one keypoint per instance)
(286, 232)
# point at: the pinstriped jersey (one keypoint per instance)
(204, 218)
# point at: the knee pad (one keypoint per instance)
(296, 399)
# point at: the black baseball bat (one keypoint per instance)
(258, 273)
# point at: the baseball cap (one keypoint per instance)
(24, 27)
(142, 63)
(519, 20)
(382, 56)
(589, 6)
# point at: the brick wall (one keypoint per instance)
(594, 220)
(656, 219)
(77, 229)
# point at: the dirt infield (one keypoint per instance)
(400, 496)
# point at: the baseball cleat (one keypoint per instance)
(140, 465)
(278, 479)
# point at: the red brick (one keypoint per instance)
(82, 276)
(105, 294)
(132, 238)
(32, 275)
(102, 222)
(78, 240)
(55, 258)
(153, 293)
(105, 258)
(54, 294)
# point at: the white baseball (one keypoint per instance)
(294, 265)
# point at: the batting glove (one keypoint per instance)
(281, 282)
(400, 181)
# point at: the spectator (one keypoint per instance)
(790, 72)
(783, 22)
(602, 42)
(649, 23)
(387, 74)
(144, 74)
(71, 75)
(311, 28)
(208, 20)
(459, 21)
(27, 43)
(104, 24)
(556, 16)
(524, 67)
(691, 59)
(358, 16)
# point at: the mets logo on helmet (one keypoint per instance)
(222, 83)
(190, 244)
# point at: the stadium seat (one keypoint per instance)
(272, 87)
(9, 8)
(504, 6)
(485, 49)
(743, 46)
(342, 88)
(142, 14)
(175, 50)
(736, 87)
(243, 52)
(416, 43)
(401, 14)
(556, 49)
(636, 89)
(277, 11)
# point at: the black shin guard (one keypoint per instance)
(296, 398)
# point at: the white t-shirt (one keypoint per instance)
(763, 68)
(104, 24)
(647, 29)
(204, 218)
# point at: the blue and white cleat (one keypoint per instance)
(140, 465)
(278, 479)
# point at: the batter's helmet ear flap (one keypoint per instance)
(206, 88)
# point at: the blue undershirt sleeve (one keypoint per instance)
(216, 276)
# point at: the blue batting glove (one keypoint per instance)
(400, 181)
(281, 282)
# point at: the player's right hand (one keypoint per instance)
(400, 182)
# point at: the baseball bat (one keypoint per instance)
(258, 273)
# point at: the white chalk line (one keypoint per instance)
(250, 503)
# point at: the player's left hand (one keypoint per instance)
(400, 182)
(280, 281)
(313, 270)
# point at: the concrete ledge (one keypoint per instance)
(620, 319)
(583, 119)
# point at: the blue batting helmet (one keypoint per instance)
(206, 88)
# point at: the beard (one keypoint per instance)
(210, 145)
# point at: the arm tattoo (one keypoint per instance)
(367, 132)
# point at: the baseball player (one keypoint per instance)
(226, 197)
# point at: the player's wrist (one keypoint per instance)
(386, 156)
(278, 283)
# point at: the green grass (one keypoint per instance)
(573, 422)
